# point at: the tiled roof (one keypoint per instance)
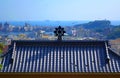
(64, 56)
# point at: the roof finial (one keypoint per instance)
(59, 32)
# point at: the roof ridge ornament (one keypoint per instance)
(59, 32)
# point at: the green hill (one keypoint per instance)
(98, 24)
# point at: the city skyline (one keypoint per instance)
(22, 10)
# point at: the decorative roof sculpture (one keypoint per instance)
(59, 32)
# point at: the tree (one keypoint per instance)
(115, 33)
(1, 50)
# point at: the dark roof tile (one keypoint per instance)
(65, 56)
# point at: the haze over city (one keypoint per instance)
(22, 10)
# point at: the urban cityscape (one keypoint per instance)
(75, 32)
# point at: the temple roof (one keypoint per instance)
(63, 56)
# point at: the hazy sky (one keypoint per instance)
(59, 10)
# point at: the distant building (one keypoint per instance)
(74, 32)
(39, 34)
(0, 26)
(27, 27)
(6, 26)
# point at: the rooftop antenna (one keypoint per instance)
(59, 32)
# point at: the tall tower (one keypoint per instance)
(6, 26)
(74, 32)
(0, 26)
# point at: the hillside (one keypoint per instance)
(98, 24)
(102, 27)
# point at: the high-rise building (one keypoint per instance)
(0, 26)
(74, 32)
(6, 26)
